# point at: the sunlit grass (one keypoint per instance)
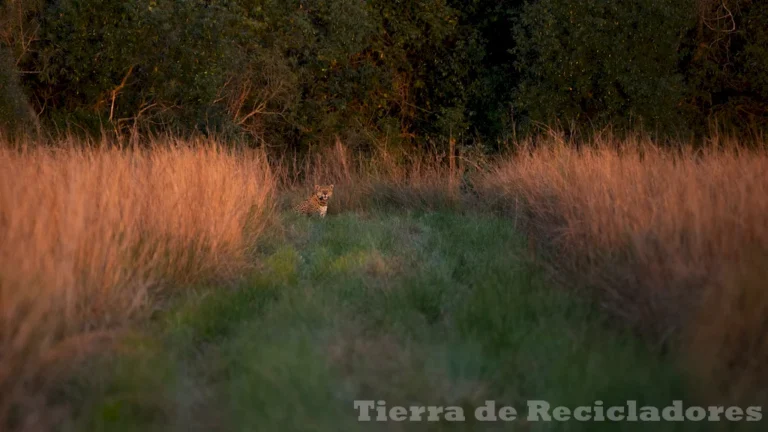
(92, 236)
(673, 242)
(407, 271)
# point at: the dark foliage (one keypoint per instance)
(296, 73)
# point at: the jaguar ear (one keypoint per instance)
(330, 187)
(317, 188)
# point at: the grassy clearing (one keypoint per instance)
(435, 308)
(673, 242)
(424, 308)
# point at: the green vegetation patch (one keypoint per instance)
(427, 309)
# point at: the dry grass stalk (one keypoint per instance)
(89, 236)
(660, 234)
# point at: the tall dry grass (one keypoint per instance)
(675, 243)
(672, 242)
(381, 178)
(90, 237)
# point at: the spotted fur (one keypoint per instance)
(317, 203)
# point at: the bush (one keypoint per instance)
(297, 73)
(115, 64)
(600, 62)
(15, 113)
(726, 64)
(287, 72)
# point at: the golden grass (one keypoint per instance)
(381, 178)
(674, 242)
(89, 237)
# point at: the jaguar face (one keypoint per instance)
(323, 193)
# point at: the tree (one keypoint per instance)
(602, 61)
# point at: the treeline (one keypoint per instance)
(298, 72)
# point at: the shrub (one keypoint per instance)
(598, 62)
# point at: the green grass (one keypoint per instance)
(413, 309)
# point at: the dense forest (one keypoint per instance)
(295, 73)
